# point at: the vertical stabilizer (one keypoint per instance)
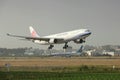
(80, 50)
(33, 32)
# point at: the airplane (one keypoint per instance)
(69, 54)
(79, 50)
(78, 36)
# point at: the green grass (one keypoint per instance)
(82, 68)
(60, 73)
(58, 76)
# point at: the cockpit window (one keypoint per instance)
(87, 31)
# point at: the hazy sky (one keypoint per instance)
(102, 17)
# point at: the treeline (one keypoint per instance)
(97, 50)
(12, 52)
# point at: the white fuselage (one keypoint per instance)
(78, 36)
(66, 36)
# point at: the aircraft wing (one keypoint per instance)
(35, 38)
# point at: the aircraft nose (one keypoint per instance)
(90, 33)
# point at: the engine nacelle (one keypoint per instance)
(79, 41)
(53, 41)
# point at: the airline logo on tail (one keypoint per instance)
(33, 32)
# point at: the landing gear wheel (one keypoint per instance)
(65, 46)
(51, 46)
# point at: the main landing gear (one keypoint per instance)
(65, 46)
(51, 46)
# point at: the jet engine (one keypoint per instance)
(53, 41)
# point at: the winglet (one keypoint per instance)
(8, 34)
(33, 32)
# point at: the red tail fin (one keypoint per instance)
(33, 32)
